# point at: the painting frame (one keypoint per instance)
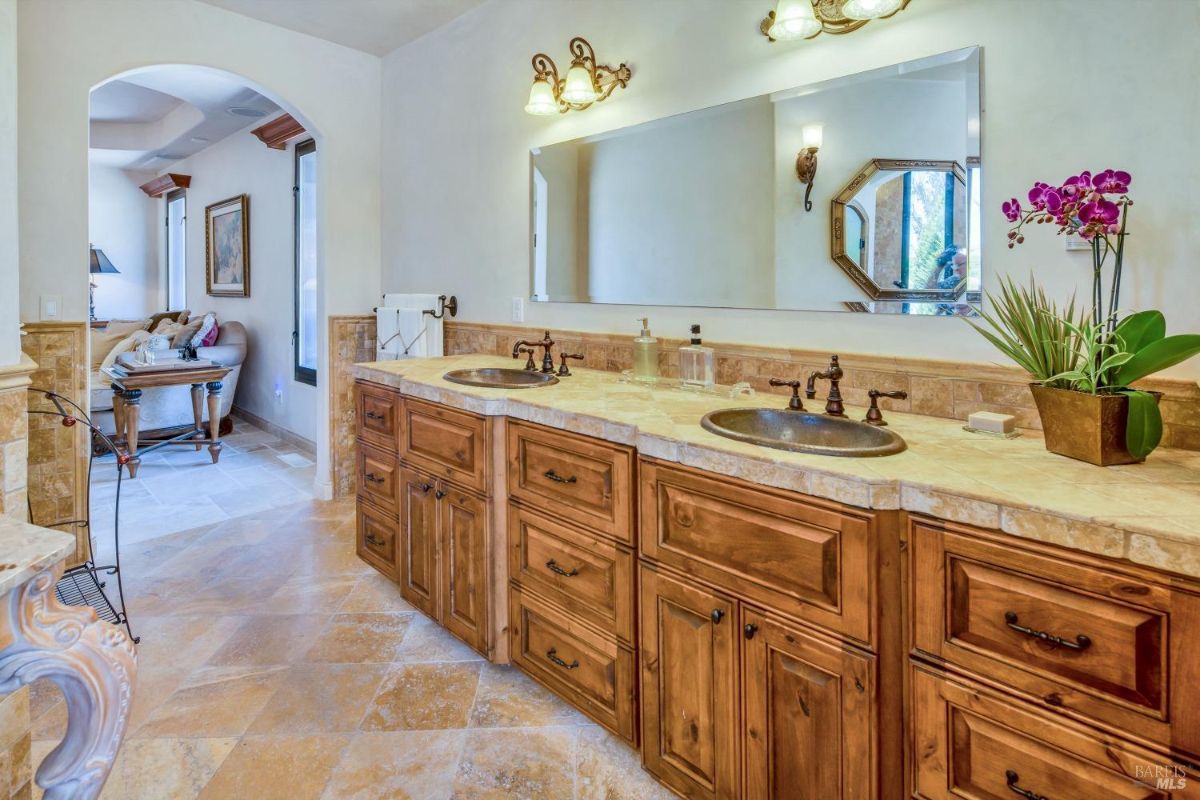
(227, 247)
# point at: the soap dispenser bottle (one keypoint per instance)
(645, 354)
(697, 363)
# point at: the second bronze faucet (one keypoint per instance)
(526, 347)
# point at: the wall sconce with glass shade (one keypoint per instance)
(804, 19)
(586, 82)
(806, 160)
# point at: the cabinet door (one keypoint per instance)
(689, 686)
(418, 541)
(463, 528)
(809, 706)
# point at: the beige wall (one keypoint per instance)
(455, 182)
(10, 346)
(125, 224)
(69, 46)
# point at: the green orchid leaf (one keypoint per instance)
(1142, 329)
(1144, 426)
(1157, 356)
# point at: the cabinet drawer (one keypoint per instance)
(375, 535)
(378, 477)
(969, 742)
(586, 574)
(447, 443)
(573, 477)
(585, 668)
(806, 558)
(378, 412)
(1078, 636)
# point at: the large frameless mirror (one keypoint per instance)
(708, 208)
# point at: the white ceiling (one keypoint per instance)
(151, 119)
(373, 26)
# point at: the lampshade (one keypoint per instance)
(541, 99)
(869, 9)
(794, 19)
(578, 87)
(99, 263)
(812, 135)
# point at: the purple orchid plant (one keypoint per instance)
(1094, 207)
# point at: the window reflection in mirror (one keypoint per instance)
(705, 208)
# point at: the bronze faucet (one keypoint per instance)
(874, 415)
(563, 370)
(794, 404)
(833, 406)
(547, 357)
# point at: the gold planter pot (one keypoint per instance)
(1087, 427)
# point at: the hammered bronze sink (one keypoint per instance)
(492, 378)
(803, 432)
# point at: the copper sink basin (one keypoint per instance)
(493, 378)
(803, 432)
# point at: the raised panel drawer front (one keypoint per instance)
(376, 539)
(378, 411)
(584, 573)
(802, 557)
(379, 477)
(1079, 637)
(969, 742)
(573, 477)
(448, 443)
(809, 714)
(689, 686)
(585, 668)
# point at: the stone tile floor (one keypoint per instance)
(275, 664)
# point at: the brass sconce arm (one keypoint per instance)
(806, 171)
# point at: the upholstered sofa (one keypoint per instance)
(171, 406)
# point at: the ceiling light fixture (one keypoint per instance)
(586, 82)
(804, 19)
(199, 139)
(245, 111)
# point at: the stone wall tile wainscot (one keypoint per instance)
(351, 341)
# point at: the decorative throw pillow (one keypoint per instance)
(126, 345)
(102, 342)
(167, 328)
(175, 316)
(208, 331)
(123, 328)
(187, 332)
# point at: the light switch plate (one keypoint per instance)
(518, 309)
(51, 306)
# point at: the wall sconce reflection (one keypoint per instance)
(586, 81)
(804, 19)
(806, 159)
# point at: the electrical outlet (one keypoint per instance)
(518, 309)
(51, 306)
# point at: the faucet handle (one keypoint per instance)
(563, 370)
(794, 404)
(529, 365)
(874, 415)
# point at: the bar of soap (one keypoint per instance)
(992, 422)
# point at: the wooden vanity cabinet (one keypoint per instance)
(744, 694)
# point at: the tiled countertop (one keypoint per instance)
(26, 550)
(1147, 513)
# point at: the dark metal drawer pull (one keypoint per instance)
(371, 539)
(425, 487)
(750, 630)
(554, 476)
(373, 415)
(1081, 642)
(1011, 778)
(373, 478)
(717, 615)
(552, 654)
(439, 494)
(553, 566)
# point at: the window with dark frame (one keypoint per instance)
(176, 224)
(304, 331)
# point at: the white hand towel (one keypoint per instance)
(433, 341)
(402, 333)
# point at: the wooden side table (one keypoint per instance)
(127, 396)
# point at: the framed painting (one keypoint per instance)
(227, 247)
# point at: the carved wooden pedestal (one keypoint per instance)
(94, 665)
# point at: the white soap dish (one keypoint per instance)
(993, 434)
